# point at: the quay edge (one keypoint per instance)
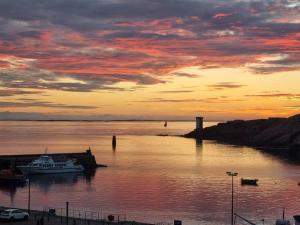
(86, 159)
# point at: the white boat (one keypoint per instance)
(45, 164)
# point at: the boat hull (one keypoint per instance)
(249, 182)
(12, 180)
(28, 170)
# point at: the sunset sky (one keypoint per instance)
(149, 59)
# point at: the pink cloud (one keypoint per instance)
(222, 15)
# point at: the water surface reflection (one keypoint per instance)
(45, 181)
(152, 179)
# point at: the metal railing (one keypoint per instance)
(85, 214)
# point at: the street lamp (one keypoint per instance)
(232, 174)
(28, 207)
(29, 191)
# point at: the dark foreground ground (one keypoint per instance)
(35, 217)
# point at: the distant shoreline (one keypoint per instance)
(132, 120)
(103, 120)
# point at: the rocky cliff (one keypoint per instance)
(265, 133)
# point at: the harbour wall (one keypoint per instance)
(86, 159)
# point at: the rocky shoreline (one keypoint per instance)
(272, 135)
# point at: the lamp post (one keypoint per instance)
(28, 194)
(29, 184)
(232, 174)
(67, 213)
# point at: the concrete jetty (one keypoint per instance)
(86, 159)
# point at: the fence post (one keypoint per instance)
(61, 216)
(67, 212)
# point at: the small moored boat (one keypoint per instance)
(249, 181)
(9, 176)
(46, 164)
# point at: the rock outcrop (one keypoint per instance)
(264, 133)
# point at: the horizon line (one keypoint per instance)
(108, 120)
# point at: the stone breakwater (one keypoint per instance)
(272, 133)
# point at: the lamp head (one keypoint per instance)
(231, 173)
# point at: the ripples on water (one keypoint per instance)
(152, 178)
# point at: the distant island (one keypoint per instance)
(281, 134)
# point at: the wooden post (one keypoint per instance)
(114, 142)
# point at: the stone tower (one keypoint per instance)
(199, 126)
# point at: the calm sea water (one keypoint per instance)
(152, 178)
